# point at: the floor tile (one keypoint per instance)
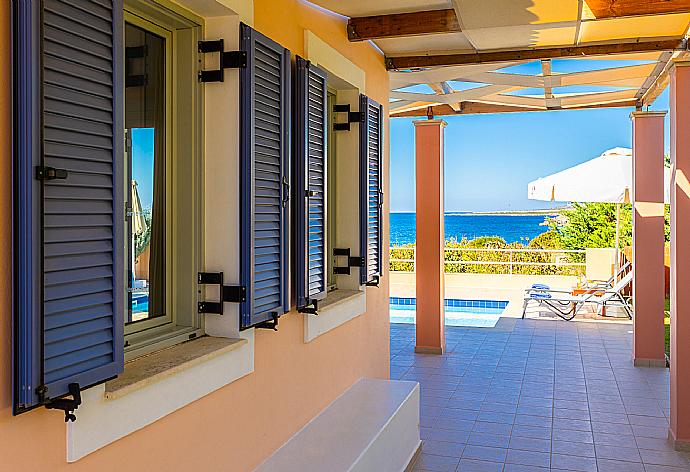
(484, 453)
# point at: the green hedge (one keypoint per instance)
(458, 251)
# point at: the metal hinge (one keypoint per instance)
(68, 405)
(310, 310)
(228, 293)
(271, 324)
(228, 60)
(50, 173)
(351, 261)
(373, 282)
(352, 117)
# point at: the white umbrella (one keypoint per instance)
(138, 222)
(607, 178)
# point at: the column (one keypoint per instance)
(679, 431)
(648, 238)
(430, 237)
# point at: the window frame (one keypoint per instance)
(179, 324)
(150, 26)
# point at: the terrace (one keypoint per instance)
(535, 394)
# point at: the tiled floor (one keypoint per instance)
(536, 395)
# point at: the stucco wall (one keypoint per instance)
(237, 426)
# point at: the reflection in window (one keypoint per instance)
(145, 120)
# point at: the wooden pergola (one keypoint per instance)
(450, 57)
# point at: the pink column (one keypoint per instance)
(679, 431)
(430, 241)
(648, 239)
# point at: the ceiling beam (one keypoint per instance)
(546, 72)
(402, 24)
(416, 62)
(618, 8)
(474, 108)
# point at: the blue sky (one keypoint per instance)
(142, 164)
(489, 159)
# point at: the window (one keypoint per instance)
(162, 170)
(88, 207)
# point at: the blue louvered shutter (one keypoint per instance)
(371, 192)
(264, 181)
(68, 232)
(311, 117)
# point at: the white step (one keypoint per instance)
(372, 427)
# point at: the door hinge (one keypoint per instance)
(352, 117)
(351, 261)
(228, 60)
(228, 293)
(50, 173)
(67, 405)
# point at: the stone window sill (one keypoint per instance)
(154, 367)
(153, 386)
(339, 307)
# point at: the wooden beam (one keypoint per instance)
(618, 8)
(474, 108)
(546, 72)
(402, 24)
(417, 62)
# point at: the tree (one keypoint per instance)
(594, 225)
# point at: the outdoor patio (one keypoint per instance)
(538, 395)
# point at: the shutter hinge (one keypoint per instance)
(228, 293)
(310, 310)
(269, 324)
(373, 282)
(68, 405)
(352, 117)
(50, 173)
(351, 261)
(228, 60)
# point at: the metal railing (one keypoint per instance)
(509, 259)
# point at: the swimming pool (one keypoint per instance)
(472, 313)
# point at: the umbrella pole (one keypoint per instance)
(616, 254)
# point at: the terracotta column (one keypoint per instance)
(430, 241)
(679, 431)
(648, 238)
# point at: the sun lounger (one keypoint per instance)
(566, 305)
(592, 286)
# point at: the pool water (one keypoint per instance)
(470, 313)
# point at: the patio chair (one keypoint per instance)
(608, 284)
(566, 305)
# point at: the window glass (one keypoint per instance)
(145, 120)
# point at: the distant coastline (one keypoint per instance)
(539, 212)
(512, 226)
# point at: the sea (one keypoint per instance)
(518, 228)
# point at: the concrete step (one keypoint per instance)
(372, 427)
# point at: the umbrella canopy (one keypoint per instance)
(607, 178)
(138, 221)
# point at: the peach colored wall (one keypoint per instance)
(648, 238)
(430, 236)
(237, 426)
